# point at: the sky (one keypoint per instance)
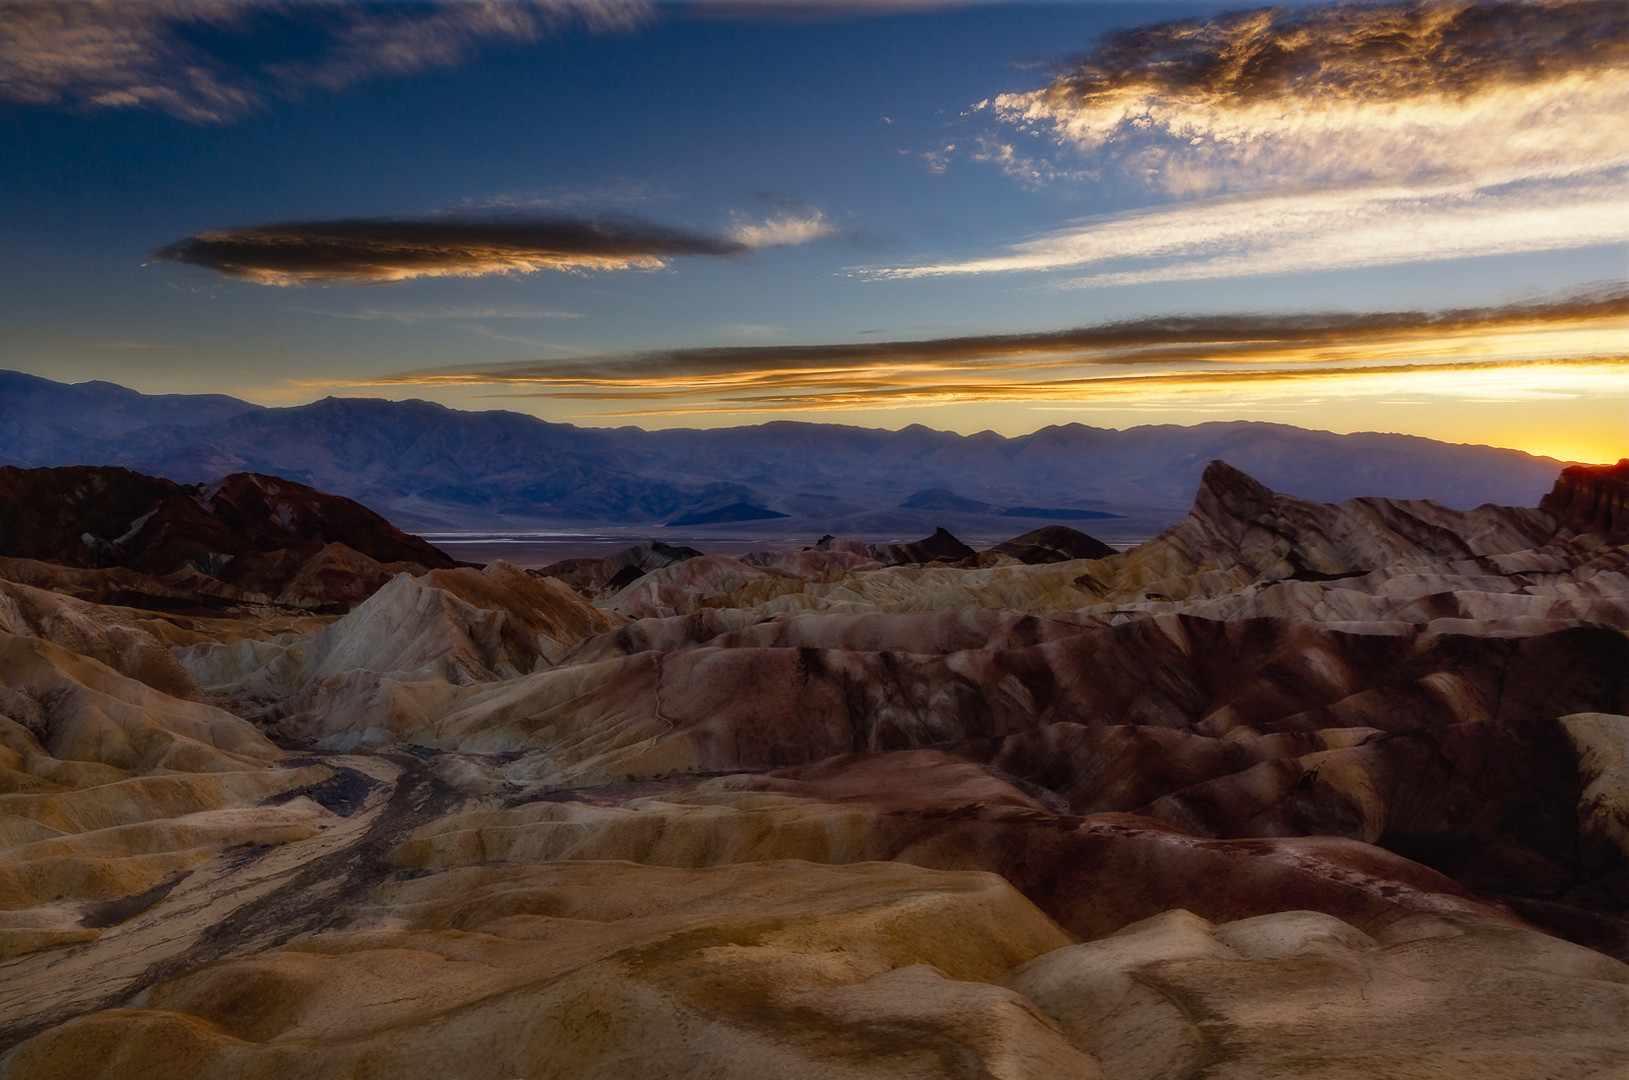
(1408, 217)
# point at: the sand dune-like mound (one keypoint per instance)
(877, 970)
(110, 788)
(416, 638)
(114, 637)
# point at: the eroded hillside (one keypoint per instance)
(1292, 789)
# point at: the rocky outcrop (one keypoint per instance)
(1592, 500)
(615, 571)
(941, 546)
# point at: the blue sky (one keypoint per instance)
(693, 214)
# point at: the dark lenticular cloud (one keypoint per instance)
(1184, 340)
(386, 249)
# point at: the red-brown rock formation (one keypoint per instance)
(260, 536)
(1592, 499)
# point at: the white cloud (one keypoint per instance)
(1032, 172)
(784, 230)
(1346, 93)
(1319, 229)
(1329, 137)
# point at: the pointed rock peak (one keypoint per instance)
(1591, 499)
(1223, 478)
(1226, 493)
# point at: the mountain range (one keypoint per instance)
(429, 467)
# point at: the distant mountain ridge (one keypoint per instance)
(427, 466)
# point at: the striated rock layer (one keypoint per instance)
(1293, 789)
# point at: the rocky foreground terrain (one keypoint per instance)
(1292, 790)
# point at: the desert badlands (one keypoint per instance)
(1291, 790)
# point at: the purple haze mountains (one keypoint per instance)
(425, 466)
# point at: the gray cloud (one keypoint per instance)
(1351, 52)
(108, 54)
(386, 249)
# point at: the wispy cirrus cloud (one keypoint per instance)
(1191, 354)
(396, 249)
(414, 316)
(102, 55)
(1317, 229)
(160, 55)
(1328, 137)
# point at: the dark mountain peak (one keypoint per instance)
(1221, 477)
(1591, 499)
(19, 380)
(736, 511)
(253, 532)
(945, 500)
(1054, 543)
(331, 403)
(67, 514)
(110, 389)
(255, 508)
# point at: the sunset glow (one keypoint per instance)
(1411, 216)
